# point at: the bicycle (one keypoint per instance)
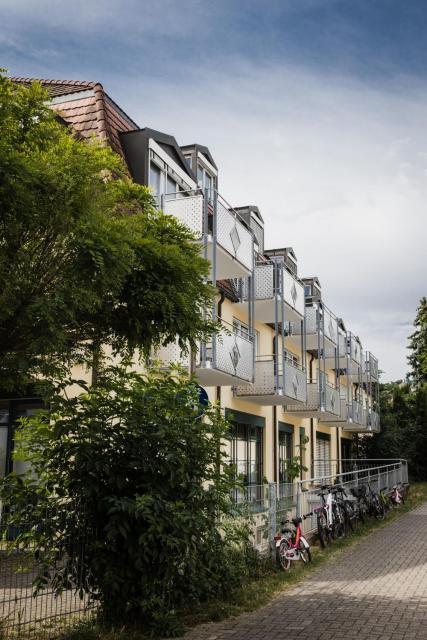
(397, 495)
(291, 545)
(375, 507)
(330, 517)
(385, 499)
(359, 493)
(346, 506)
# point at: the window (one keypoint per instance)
(322, 467)
(200, 175)
(171, 186)
(155, 179)
(10, 412)
(285, 455)
(246, 452)
(240, 328)
(307, 289)
(291, 358)
(204, 179)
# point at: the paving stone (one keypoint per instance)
(376, 590)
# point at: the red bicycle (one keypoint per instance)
(291, 545)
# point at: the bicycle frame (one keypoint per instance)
(293, 552)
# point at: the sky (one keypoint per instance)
(314, 110)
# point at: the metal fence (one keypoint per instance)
(24, 612)
(302, 497)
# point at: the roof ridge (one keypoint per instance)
(73, 83)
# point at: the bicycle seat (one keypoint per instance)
(296, 521)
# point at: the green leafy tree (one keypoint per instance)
(126, 475)
(404, 409)
(418, 345)
(85, 257)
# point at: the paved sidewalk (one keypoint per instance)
(377, 590)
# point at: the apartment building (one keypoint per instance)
(287, 370)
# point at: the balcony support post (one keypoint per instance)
(251, 309)
(214, 258)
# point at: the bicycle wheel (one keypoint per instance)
(282, 561)
(378, 508)
(362, 511)
(338, 527)
(305, 554)
(350, 514)
(323, 529)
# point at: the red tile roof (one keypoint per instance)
(91, 113)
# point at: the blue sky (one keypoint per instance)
(315, 110)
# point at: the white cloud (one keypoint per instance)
(338, 169)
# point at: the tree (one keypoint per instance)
(85, 258)
(126, 475)
(403, 409)
(418, 345)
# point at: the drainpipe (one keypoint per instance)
(310, 370)
(219, 314)
(275, 478)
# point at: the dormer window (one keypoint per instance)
(155, 179)
(204, 178)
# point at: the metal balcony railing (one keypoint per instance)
(273, 285)
(275, 383)
(373, 419)
(225, 359)
(323, 400)
(370, 370)
(227, 241)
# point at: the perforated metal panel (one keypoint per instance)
(264, 383)
(311, 320)
(188, 210)
(374, 421)
(329, 325)
(234, 355)
(293, 292)
(233, 236)
(332, 400)
(295, 383)
(264, 282)
(171, 354)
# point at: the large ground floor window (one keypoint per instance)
(322, 463)
(245, 449)
(11, 410)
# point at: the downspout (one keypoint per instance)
(275, 443)
(310, 370)
(219, 316)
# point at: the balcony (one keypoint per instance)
(275, 384)
(226, 359)
(321, 328)
(358, 418)
(373, 421)
(229, 244)
(349, 355)
(323, 401)
(273, 285)
(370, 368)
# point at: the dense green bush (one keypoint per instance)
(133, 478)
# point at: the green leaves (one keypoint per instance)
(132, 469)
(84, 255)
